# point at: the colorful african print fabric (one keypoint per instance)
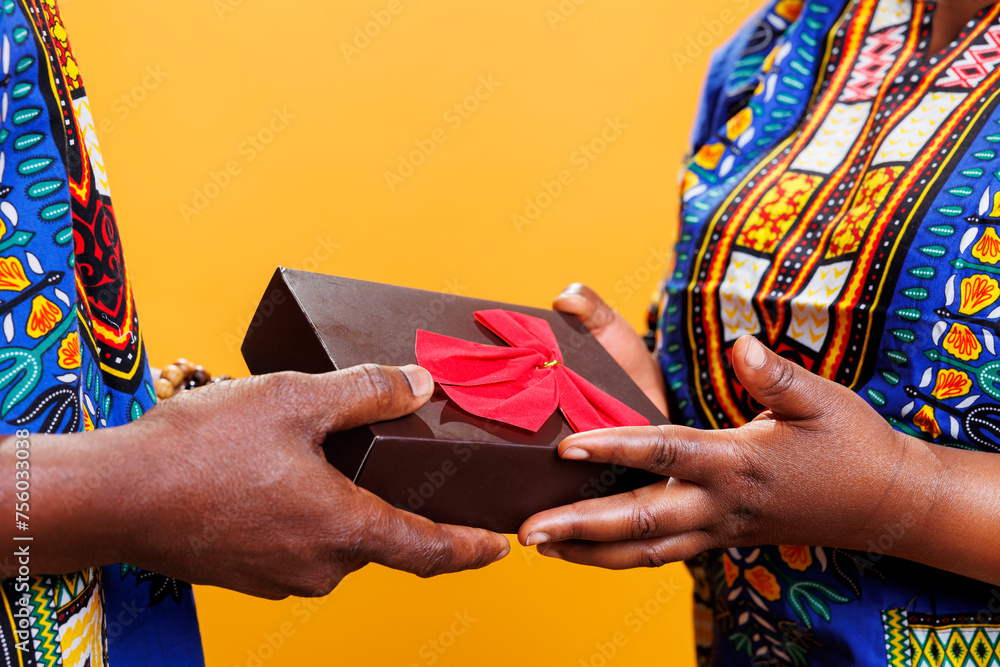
(72, 355)
(842, 204)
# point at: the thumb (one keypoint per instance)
(607, 325)
(596, 315)
(617, 337)
(789, 390)
(368, 394)
(404, 541)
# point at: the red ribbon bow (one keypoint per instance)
(520, 385)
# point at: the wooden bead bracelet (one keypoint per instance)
(182, 375)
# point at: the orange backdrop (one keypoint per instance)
(496, 149)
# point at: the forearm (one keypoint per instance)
(951, 515)
(74, 490)
(227, 486)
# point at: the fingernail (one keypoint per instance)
(536, 538)
(549, 550)
(578, 301)
(755, 354)
(502, 554)
(576, 454)
(421, 382)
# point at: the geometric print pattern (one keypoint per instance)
(810, 320)
(836, 222)
(89, 132)
(957, 640)
(911, 135)
(890, 13)
(66, 315)
(876, 57)
(977, 63)
(741, 282)
(834, 138)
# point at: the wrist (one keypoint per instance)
(82, 492)
(907, 508)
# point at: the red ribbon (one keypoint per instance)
(522, 384)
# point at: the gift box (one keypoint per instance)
(442, 462)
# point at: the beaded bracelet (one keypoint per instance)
(182, 375)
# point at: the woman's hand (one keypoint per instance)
(227, 485)
(818, 467)
(618, 338)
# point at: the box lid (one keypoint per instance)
(316, 323)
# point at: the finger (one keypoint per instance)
(635, 553)
(617, 337)
(411, 543)
(368, 394)
(674, 451)
(786, 388)
(580, 300)
(653, 511)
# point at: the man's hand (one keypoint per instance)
(819, 467)
(227, 485)
(618, 338)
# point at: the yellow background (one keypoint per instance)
(177, 88)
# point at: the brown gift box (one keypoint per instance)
(440, 462)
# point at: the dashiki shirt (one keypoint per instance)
(72, 356)
(842, 205)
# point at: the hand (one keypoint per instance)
(818, 467)
(618, 338)
(227, 485)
